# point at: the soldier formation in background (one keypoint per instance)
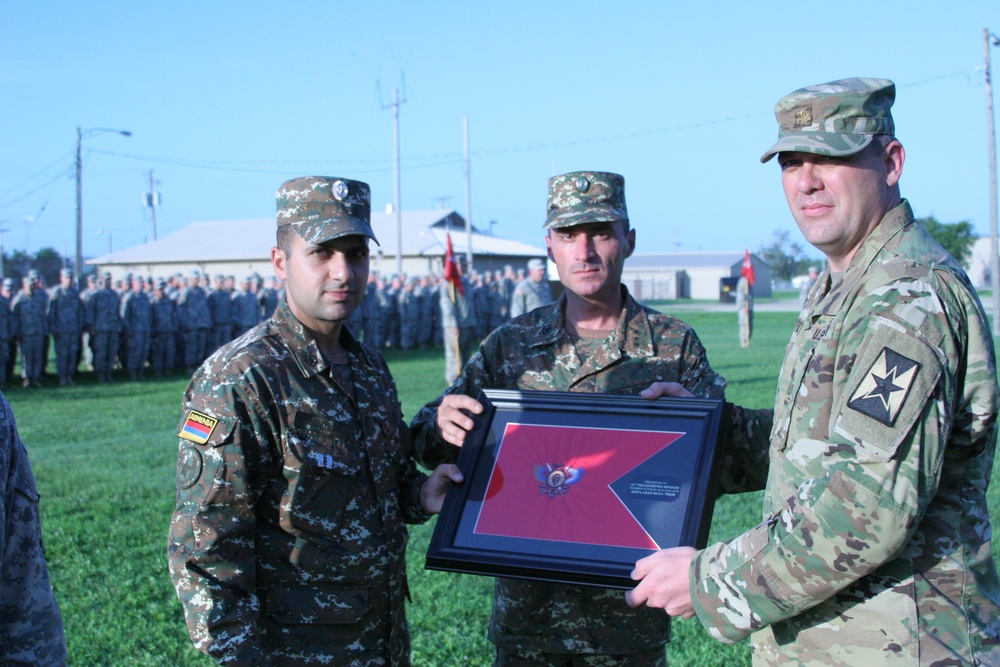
(161, 326)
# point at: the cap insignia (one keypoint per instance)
(339, 190)
(804, 117)
(582, 184)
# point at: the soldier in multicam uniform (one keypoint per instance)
(408, 304)
(29, 328)
(595, 339)
(246, 310)
(220, 310)
(294, 475)
(105, 323)
(373, 307)
(875, 543)
(531, 292)
(31, 628)
(86, 346)
(65, 319)
(164, 314)
(137, 327)
(195, 321)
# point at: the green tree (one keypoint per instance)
(48, 262)
(785, 257)
(956, 237)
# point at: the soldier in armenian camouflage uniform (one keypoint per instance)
(874, 547)
(595, 339)
(294, 475)
(31, 628)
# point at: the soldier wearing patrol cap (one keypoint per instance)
(594, 339)
(66, 319)
(104, 320)
(294, 476)
(531, 292)
(875, 543)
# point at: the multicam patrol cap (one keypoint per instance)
(323, 208)
(838, 118)
(580, 197)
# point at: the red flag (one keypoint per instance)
(451, 272)
(747, 270)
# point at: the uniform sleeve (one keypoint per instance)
(430, 450)
(211, 549)
(902, 352)
(745, 460)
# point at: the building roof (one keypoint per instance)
(688, 260)
(423, 234)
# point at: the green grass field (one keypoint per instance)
(104, 458)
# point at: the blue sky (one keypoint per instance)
(226, 100)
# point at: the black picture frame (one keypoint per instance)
(574, 488)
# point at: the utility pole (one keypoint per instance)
(468, 194)
(152, 200)
(989, 40)
(399, 209)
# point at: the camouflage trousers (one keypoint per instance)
(30, 623)
(220, 335)
(105, 346)
(138, 351)
(161, 358)
(195, 342)
(514, 658)
(67, 352)
(32, 359)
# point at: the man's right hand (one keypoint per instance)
(453, 420)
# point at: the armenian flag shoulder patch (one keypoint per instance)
(197, 427)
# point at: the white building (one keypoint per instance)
(694, 275)
(242, 247)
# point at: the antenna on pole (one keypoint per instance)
(399, 209)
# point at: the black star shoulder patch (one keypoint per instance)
(883, 391)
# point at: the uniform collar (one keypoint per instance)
(303, 347)
(632, 334)
(891, 224)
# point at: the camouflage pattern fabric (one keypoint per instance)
(535, 351)
(529, 295)
(137, 326)
(66, 320)
(29, 327)
(287, 544)
(164, 315)
(875, 543)
(31, 628)
(246, 313)
(838, 118)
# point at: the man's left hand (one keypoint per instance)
(664, 582)
(434, 489)
(658, 389)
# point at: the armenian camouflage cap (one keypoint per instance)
(321, 208)
(580, 197)
(838, 118)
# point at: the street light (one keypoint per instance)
(80, 134)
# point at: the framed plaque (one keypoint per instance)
(574, 488)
